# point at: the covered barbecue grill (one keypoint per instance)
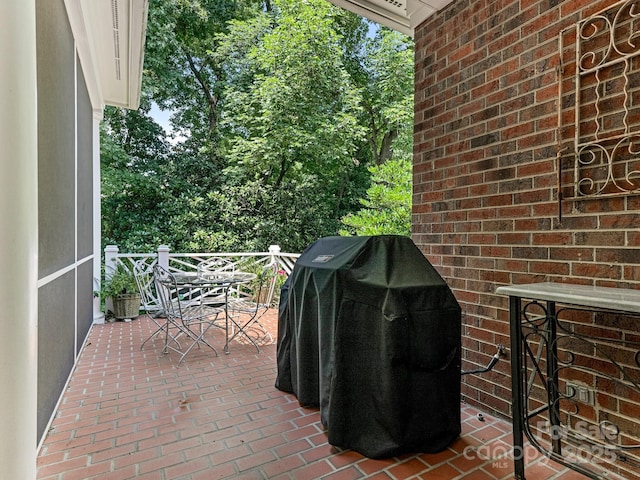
(370, 332)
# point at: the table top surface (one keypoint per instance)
(619, 299)
(213, 278)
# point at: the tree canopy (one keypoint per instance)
(281, 112)
(387, 206)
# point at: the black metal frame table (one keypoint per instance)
(217, 280)
(537, 334)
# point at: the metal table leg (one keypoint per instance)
(552, 378)
(515, 312)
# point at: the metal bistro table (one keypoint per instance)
(220, 282)
(563, 370)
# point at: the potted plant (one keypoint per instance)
(122, 289)
(258, 287)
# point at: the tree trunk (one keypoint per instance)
(385, 149)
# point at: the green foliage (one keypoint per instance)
(298, 115)
(133, 153)
(278, 111)
(388, 202)
(121, 282)
(183, 72)
(264, 273)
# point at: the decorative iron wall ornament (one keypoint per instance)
(605, 92)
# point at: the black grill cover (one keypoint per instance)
(370, 332)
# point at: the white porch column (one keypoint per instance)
(18, 240)
(98, 315)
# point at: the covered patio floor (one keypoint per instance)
(132, 413)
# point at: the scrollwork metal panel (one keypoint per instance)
(606, 91)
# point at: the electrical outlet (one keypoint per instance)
(581, 393)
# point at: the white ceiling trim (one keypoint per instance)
(110, 37)
(401, 15)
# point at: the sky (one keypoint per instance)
(161, 116)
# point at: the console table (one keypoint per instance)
(569, 377)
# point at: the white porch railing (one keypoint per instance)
(186, 262)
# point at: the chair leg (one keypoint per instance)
(160, 328)
(266, 336)
(198, 338)
(241, 328)
(170, 338)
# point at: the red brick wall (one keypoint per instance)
(485, 179)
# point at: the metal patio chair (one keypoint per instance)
(248, 304)
(189, 317)
(143, 274)
(215, 295)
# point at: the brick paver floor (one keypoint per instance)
(132, 413)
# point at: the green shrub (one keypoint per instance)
(122, 281)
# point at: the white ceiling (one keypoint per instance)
(401, 15)
(110, 37)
